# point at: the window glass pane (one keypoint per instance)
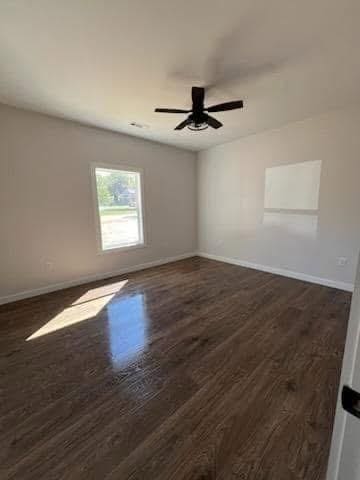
(119, 202)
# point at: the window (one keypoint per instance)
(119, 207)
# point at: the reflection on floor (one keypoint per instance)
(127, 323)
(191, 370)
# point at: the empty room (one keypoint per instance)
(179, 240)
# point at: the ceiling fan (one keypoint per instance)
(199, 118)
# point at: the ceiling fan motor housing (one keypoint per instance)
(198, 121)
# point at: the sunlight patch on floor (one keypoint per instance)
(85, 307)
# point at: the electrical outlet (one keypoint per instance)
(49, 266)
(341, 261)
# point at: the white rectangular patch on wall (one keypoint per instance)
(293, 187)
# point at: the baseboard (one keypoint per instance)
(91, 278)
(349, 287)
(102, 276)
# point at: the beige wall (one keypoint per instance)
(46, 204)
(305, 231)
(47, 213)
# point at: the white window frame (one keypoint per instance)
(140, 208)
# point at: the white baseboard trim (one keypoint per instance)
(91, 278)
(349, 287)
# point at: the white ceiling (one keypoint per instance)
(109, 63)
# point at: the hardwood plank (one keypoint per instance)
(192, 370)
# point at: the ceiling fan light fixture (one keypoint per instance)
(196, 127)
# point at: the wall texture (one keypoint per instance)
(46, 206)
(258, 202)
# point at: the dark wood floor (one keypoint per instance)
(190, 371)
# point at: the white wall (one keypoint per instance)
(281, 217)
(46, 205)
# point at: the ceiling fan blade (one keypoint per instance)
(197, 95)
(212, 122)
(171, 110)
(223, 107)
(182, 125)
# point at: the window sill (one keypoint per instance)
(125, 248)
